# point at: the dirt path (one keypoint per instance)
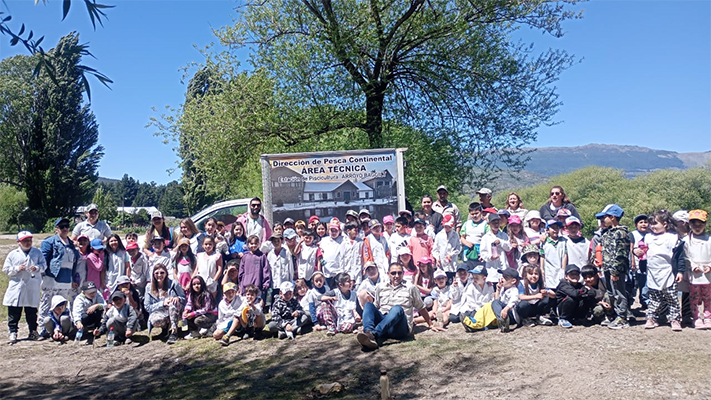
(528, 363)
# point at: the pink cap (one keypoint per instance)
(388, 219)
(514, 219)
(425, 260)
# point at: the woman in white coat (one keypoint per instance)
(24, 266)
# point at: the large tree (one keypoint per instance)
(449, 68)
(49, 135)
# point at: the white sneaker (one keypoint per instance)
(13, 337)
(203, 331)
(290, 335)
(282, 335)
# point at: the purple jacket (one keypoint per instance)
(254, 270)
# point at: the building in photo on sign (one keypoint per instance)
(327, 184)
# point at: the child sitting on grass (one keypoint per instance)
(58, 324)
(287, 315)
(506, 299)
(228, 308)
(574, 300)
(602, 312)
(442, 299)
(121, 317)
(88, 310)
(338, 307)
(249, 319)
(199, 311)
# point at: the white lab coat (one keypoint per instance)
(23, 290)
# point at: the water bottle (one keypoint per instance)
(598, 255)
(78, 336)
(184, 325)
(110, 338)
(384, 385)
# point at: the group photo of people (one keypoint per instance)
(432, 267)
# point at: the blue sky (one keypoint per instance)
(644, 78)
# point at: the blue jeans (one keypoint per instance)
(497, 306)
(643, 289)
(391, 325)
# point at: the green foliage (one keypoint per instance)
(12, 206)
(590, 189)
(50, 137)
(45, 62)
(447, 68)
(107, 205)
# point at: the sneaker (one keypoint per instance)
(298, 330)
(651, 323)
(676, 326)
(605, 321)
(699, 324)
(34, 335)
(290, 335)
(367, 340)
(545, 321)
(331, 333)
(44, 335)
(225, 341)
(530, 322)
(203, 331)
(564, 323)
(191, 335)
(707, 323)
(503, 324)
(619, 323)
(90, 339)
(13, 337)
(128, 341)
(282, 335)
(172, 338)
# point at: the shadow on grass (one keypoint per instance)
(269, 369)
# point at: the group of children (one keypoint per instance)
(500, 270)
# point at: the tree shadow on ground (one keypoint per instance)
(267, 369)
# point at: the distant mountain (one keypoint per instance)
(633, 160)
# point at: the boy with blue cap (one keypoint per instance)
(615, 245)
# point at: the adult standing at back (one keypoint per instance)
(514, 205)
(558, 199)
(433, 217)
(485, 198)
(254, 223)
(157, 228)
(61, 257)
(92, 227)
(444, 206)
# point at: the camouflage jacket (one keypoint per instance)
(615, 250)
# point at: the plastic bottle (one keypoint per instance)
(494, 251)
(110, 338)
(78, 336)
(642, 246)
(384, 385)
(598, 255)
(184, 325)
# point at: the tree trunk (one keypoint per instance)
(374, 117)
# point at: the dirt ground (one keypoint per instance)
(528, 363)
